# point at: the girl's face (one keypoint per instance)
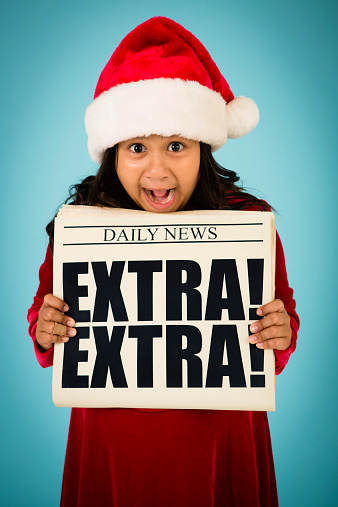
(159, 173)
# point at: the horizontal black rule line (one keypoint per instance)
(165, 242)
(156, 225)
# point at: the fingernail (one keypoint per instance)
(64, 338)
(252, 339)
(71, 332)
(253, 329)
(259, 312)
(66, 308)
(259, 345)
(71, 323)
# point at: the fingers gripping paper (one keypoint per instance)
(163, 303)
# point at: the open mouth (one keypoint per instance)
(160, 196)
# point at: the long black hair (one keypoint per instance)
(216, 188)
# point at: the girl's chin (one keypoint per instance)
(166, 206)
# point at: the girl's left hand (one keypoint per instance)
(273, 331)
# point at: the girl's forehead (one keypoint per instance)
(158, 138)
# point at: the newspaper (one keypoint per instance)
(162, 304)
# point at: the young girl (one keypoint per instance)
(160, 108)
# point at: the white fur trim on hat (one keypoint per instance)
(156, 106)
(242, 116)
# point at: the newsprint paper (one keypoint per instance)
(162, 304)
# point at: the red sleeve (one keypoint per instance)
(285, 293)
(45, 287)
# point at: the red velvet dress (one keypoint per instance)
(165, 458)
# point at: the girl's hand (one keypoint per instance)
(273, 331)
(50, 312)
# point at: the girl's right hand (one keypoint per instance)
(50, 312)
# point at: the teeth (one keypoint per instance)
(170, 194)
(148, 192)
(160, 199)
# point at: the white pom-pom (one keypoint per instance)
(242, 117)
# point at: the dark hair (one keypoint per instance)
(216, 188)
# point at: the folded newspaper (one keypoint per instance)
(163, 304)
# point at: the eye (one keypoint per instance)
(175, 146)
(137, 148)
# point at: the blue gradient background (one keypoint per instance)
(282, 54)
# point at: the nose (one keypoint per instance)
(157, 168)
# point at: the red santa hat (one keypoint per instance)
(161, 80)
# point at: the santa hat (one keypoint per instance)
(161, 80)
